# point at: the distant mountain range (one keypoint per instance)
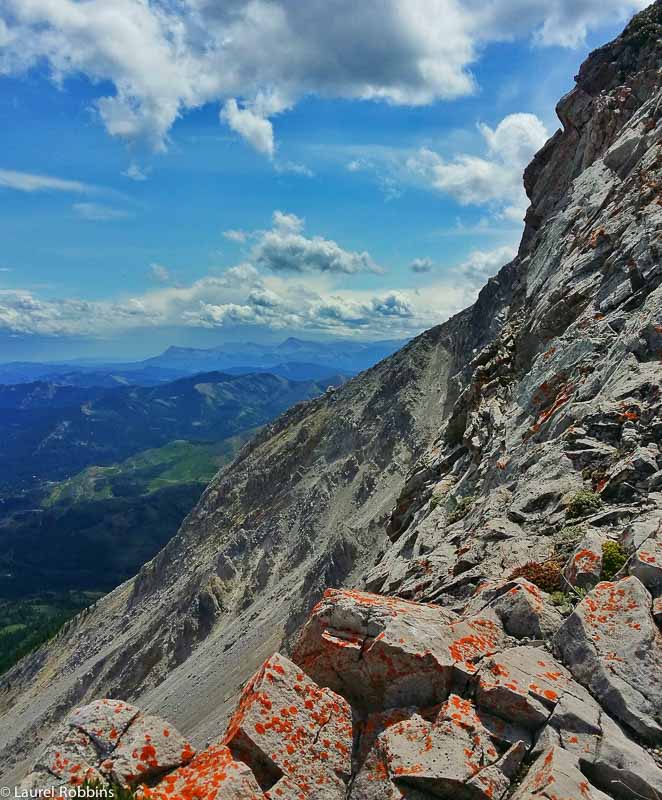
(335, 355)
(50, 431)
(296, 359)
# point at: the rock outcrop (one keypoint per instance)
(492, 493)
(388, 699)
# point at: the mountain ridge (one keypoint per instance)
(436, 473)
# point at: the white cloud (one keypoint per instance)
(256, 130)
(235, 236)
(494, 179)
(29, 182)
(160, 273)
(242, 296)
(288, 222)
(421, 265)
(284, 249)
(480, 266)
(134, 172)
(99, 213)
(165, 58)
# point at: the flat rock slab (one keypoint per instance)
(212, 775)
(613, 647)
(149, 748)
(286, 725)
(104, 721)
(522, 684)
(382, 652)
(554, 776)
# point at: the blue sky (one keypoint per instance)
(193, 172)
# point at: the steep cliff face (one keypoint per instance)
(566, 398)
(474, 450)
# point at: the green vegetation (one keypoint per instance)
(613, 558)
(584, 503)
(175, 463)
(95, 530)
(26, 624)
(462, 508)
(566, 601)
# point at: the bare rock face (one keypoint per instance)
(554, 775)
(525, 611)
(212, 775)
(455, 497)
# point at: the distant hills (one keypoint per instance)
(297, 359)
(50, 431)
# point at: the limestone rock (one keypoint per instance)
(612, 646)
(525, 611)
(646, 564)
(286, 725)
(450, 754)
(381, 652)
(585, 564)
(554, 776)
(150, 747)
(104, 721)
(109, 741)
(211, 775)
(521, 684)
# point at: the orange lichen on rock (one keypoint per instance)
(287, 725)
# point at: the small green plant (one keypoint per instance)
(462, 508)
(566, 601)
(559, 598)
(583, 503)
(613, 558)
(546, 576)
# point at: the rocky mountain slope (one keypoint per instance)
(523, 435)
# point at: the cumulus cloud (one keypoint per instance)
(29, 182)
(97, 212)
(255, 58)
(256, 130)
(421, 265)
(494, 178)
(284, 249)
(244, 296)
